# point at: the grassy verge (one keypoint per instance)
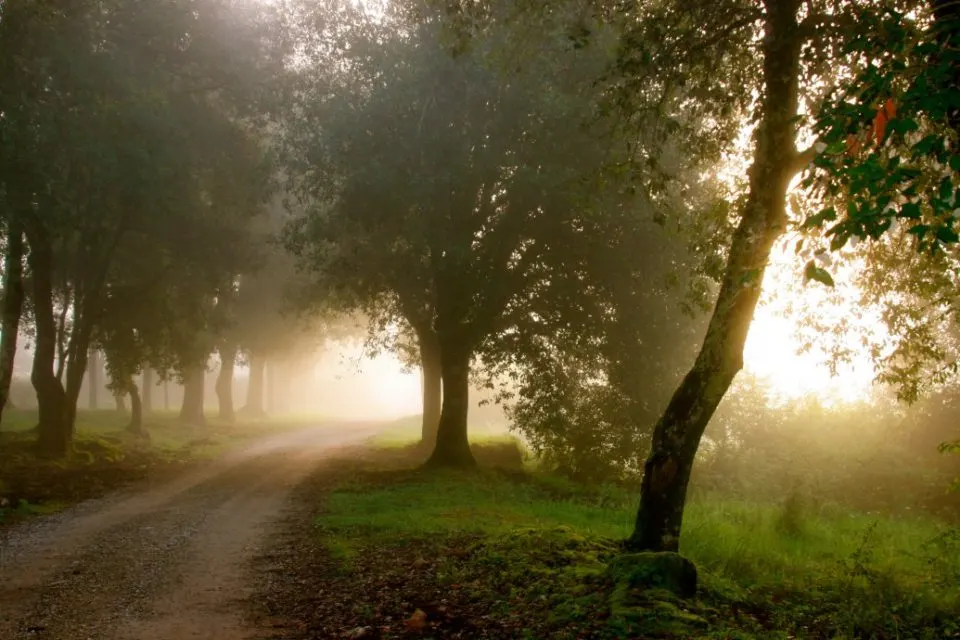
(406, 431)
(104, 456)
(516, 555)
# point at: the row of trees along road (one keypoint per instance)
(134, 192)
(527, 196)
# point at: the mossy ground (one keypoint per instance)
(511, 554)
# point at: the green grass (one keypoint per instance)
(766, 570)
(406, 431)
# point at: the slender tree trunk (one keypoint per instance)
(13, 295)
(53, 432)
(270, 386)
(452, 448)
(120, 401)
(77, 353)
(677, 435)
(147, 391)
(228, 358)
(191, 412)
(94, 367)
(254, 406)
(136, 408)
(166, 395)
(431, 379)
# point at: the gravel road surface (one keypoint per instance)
(167, 562)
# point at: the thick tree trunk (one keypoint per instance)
(94, 368)
(191, 411)
(453, 448)
(136, 408)
(147, 391)
(431, 378)
(677, 434)
(12, 308)
(254, 407)
(228, 358)
(53, 431)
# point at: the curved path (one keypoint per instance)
(167, 562)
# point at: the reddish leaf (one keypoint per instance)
(417, 621)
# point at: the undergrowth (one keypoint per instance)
(533, 550)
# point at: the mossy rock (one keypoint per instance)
(672, 572)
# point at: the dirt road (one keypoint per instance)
(168, 562)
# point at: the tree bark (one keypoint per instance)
(13, 295)
(254, 406)
(53, 436)
(228, 358)
(62, 335)
(94, 368)
(136, 408)
(191, 411)
(677, 434)
(452, 448)
(431, 379)
(147, 391)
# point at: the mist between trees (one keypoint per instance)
(530, 199)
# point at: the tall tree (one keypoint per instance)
(456, 215)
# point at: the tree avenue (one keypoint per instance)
(570, 205)
(128, 172)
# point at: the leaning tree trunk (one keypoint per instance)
(191, 411)
(53, 431)
(224, 388)
(677, 435)
(453, 448)
(12, 308)
(93, 369)
(431, 378)
(147, 392)
(136, 408)
(254, 407)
